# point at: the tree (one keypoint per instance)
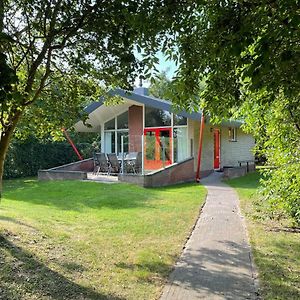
(248, 51)
(160, 86)
(46, 43)
(277, 139)
(238, 46)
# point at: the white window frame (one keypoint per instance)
(116, 130)
(172, 130)
(232, 134)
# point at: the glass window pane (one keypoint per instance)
(165, 146)
(122, 120)
(109, 124)
(150, 145)
(232, 134)
(125, 139)
(180, 144)
(179, 120)
(109, 142)
(157, 117)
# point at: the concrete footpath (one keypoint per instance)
(216, 262)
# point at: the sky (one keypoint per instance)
(163, 65)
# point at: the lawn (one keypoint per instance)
(276, 245)
(86, 240)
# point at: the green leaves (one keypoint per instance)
(275, 128)
(248, 54)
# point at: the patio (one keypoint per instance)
(84, 170)
(111, 164)
(91, 176)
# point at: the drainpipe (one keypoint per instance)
(200, 147)
(71, 143)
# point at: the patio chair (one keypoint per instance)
(131, 155)
(114, 165)
(129, 162)
(101, 164)
(135, 165)
(96, 163)
(138, 163)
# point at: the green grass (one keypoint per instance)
(85, 240)
(276, 245)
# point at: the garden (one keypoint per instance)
(275, 242)
(88, 240)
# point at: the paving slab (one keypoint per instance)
(216, 262)
(102, 178)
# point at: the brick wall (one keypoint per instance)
(86, 165)
(135, 124)
(177, 173)
(73, 171)
(232, 152)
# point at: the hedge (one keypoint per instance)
(25, 158)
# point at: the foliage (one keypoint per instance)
(278, 139)
(236, 46)
(59, 53)
(275, 244)
(88, 240)
(59, 106)
(248, 53)
(160, 86)
(26, 157)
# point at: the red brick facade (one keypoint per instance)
(135, 124)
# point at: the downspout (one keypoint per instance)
(71, 143)
(200, 147)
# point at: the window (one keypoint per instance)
(125, 141)
(113, 130)
(109, 142)
(179, 120)
(110, 125)
(180, 143)
(122, 120)
(232, 134)
(156, 117)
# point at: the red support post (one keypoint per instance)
(200, 147)
(71, 143)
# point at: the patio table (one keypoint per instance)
(130, 161)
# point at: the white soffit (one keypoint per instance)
(102, 114)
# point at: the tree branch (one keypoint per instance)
(29, 48)
(43, 80)
(293, 117)
(45, 48)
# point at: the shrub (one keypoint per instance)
(25, 158)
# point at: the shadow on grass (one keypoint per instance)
(209, 272)
(12, 220)
(155, 270)
(249, 181)
(72, 267)
(226, 272)
(286, 229)
(22, 274)
(279, 274)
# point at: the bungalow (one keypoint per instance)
(168, 140)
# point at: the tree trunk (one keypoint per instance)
(1, 15)
(4, 143)
(3, 150)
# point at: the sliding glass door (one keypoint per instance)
(157, 148)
